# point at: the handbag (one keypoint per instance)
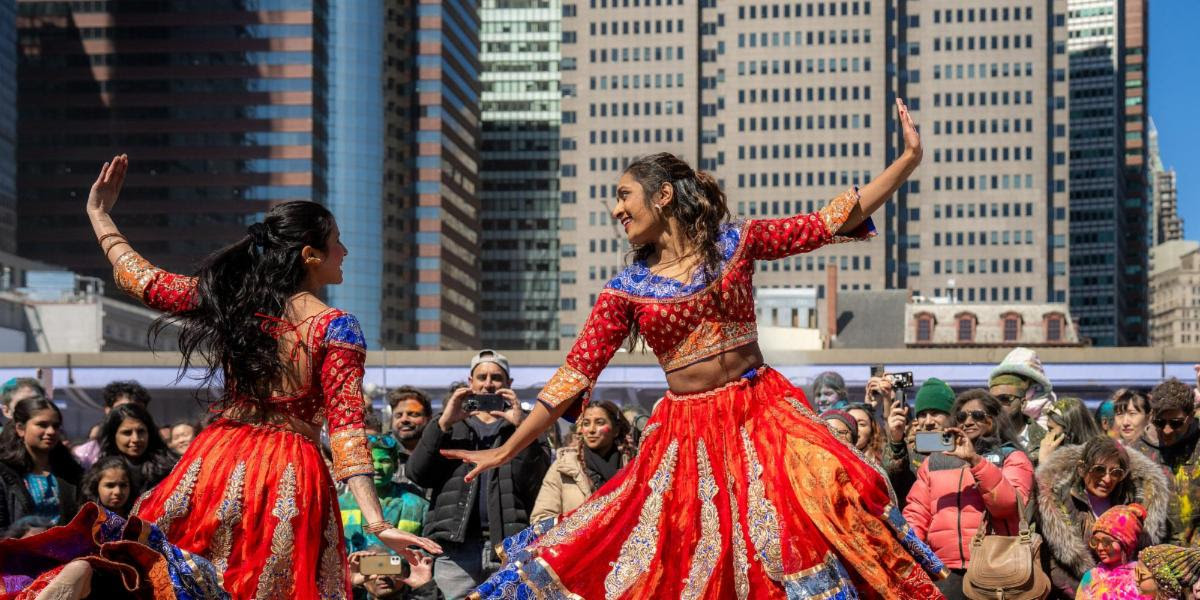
(1006, 567)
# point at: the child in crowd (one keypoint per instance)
(109, 483)
(1114, 541)
(1167, 572)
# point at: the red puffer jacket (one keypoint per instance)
(947, 503)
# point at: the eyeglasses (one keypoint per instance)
(1101, 541)
(1007, 399)
(976, 415)
(1099, 471)
(1174, 423)
(386, 441)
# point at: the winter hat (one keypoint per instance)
(1024, 363)
(846, 419)
(934, 395)
(1124, 523)
(1174, 568)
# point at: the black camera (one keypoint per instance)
(901, 381)
(486, 403)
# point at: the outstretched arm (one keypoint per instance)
(874, 194)
(135, 275)
(101, 200)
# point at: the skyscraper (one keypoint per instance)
(789, 104)
(1167, 223)
(519, 179)
(445, 91)
(211, 100)
(349, 148)
(1110, 183)
(8, 127)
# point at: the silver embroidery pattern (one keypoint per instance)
(180, 500)
(708, 548)
(642, 544)
(229, 513)
(741, 564)
(760, 514)
(277, 571)
(593, 508)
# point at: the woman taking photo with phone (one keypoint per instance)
(980, 474)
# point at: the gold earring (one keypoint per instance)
(312, 260)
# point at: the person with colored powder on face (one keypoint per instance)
(401, 506)
(1114, 542)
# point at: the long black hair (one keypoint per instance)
(15, 455)
(156, 461)
(255, 275)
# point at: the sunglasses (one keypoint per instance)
(1007, 399)
(1174, 423)
(976, 415)
(1099, 471)
(386, 441)
(1101, 541)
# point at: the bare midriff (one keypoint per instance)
(715, 371)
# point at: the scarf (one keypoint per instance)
(601, 468)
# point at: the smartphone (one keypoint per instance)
(486, 403)
(379, 564)
(928, 442)
(901, 381)
(877, 370)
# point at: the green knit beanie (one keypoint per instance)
(934, 395)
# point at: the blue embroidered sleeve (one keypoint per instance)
(345, 332)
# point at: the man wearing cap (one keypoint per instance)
(932, 409)
(1021, 386)
(470, 519)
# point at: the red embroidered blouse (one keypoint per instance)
(685, 323)
(336, 348)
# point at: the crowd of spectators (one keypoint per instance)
(1103, 489)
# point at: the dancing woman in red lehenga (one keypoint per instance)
(738, 490)
(252, 494)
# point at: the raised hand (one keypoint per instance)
(108, 184)
(399, 540)
(912, 136)
(482, 459)
(963, 447)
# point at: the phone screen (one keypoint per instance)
(928, 442)
(488, 402)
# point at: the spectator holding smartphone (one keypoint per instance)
(417, 585)
(932, 410)
(981, 476)
(470, 519)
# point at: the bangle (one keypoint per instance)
(108, 235)
(378, 527)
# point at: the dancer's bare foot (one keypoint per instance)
(74, 582)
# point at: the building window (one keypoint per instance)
(1012, 327)
(925, 328)
(966, 328)
(1054, 328)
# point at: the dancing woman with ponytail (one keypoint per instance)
(252, 499)
(738, 490)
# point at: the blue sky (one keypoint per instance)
(1174, 96)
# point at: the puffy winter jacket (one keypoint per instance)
(947, 502)
(1065, 514)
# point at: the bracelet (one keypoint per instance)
(114, 245)
(378, 527)
(108, 235)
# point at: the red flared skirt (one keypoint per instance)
(259, 503)
(740, 492)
